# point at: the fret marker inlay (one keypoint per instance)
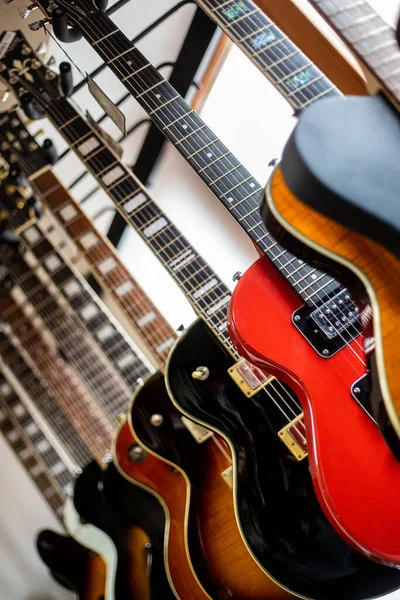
(107, 265)
(113, 175)
(105, 332)
(155, 227)
(146, 319)
(53, 263)
(68, 213)
(124, 289)
(89, 311)
(32, 235)
(89, 240)
(88, 146)
(72, 288)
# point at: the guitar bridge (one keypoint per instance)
(249, 378)
(293, 436)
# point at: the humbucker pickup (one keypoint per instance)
(336, 315)
(249, 378)
(293, 436)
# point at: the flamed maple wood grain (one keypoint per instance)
(226, 557)
(380, 267)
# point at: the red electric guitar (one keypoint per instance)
(290, 319)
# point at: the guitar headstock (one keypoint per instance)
(25, 74)
(65, 16)
(20, 149)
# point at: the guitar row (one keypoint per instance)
(256, 455)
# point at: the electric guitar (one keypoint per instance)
(206, 160)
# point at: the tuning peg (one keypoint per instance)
(5, 95)
(37, 25)
(26, 9)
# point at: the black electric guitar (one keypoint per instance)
(210, 385)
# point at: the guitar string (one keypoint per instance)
(135, 307)
(153, 335)
(285, 266)
(75, 343)
(54, 366)
(280, 384)
(141, 76)
(86, 297)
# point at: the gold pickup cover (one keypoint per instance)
(249, 378)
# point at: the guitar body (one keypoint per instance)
(72, 565)
(277, 511)
(202, 539)
(130, 535)
(378, 272)
(351, 466)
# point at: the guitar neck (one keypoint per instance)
(148, 322)
(290, 71)
(370, 38)
(86, 307)
(86, 416)
(91, 341)
(205, 291)
(226, 177)
(34, 451)
(42, 403)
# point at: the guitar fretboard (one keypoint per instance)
(281, 61)
(36, 456)
(368, 35)
(44, 402)
(87, 309)
(208, 295)
(73, 341)
(227, 178)
(89, 420)
(96, 249)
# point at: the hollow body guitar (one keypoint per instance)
(72, 565)
(200, 512)
(132, 520)
(274, 502)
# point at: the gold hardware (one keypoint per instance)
(249, 378)
(136, 454)
(156, 420)
(294, 439)
(200, 433)
(201, 373)
(10, 189)
(227, 476)
(4, 214)
(20, 204)
(121, 418)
